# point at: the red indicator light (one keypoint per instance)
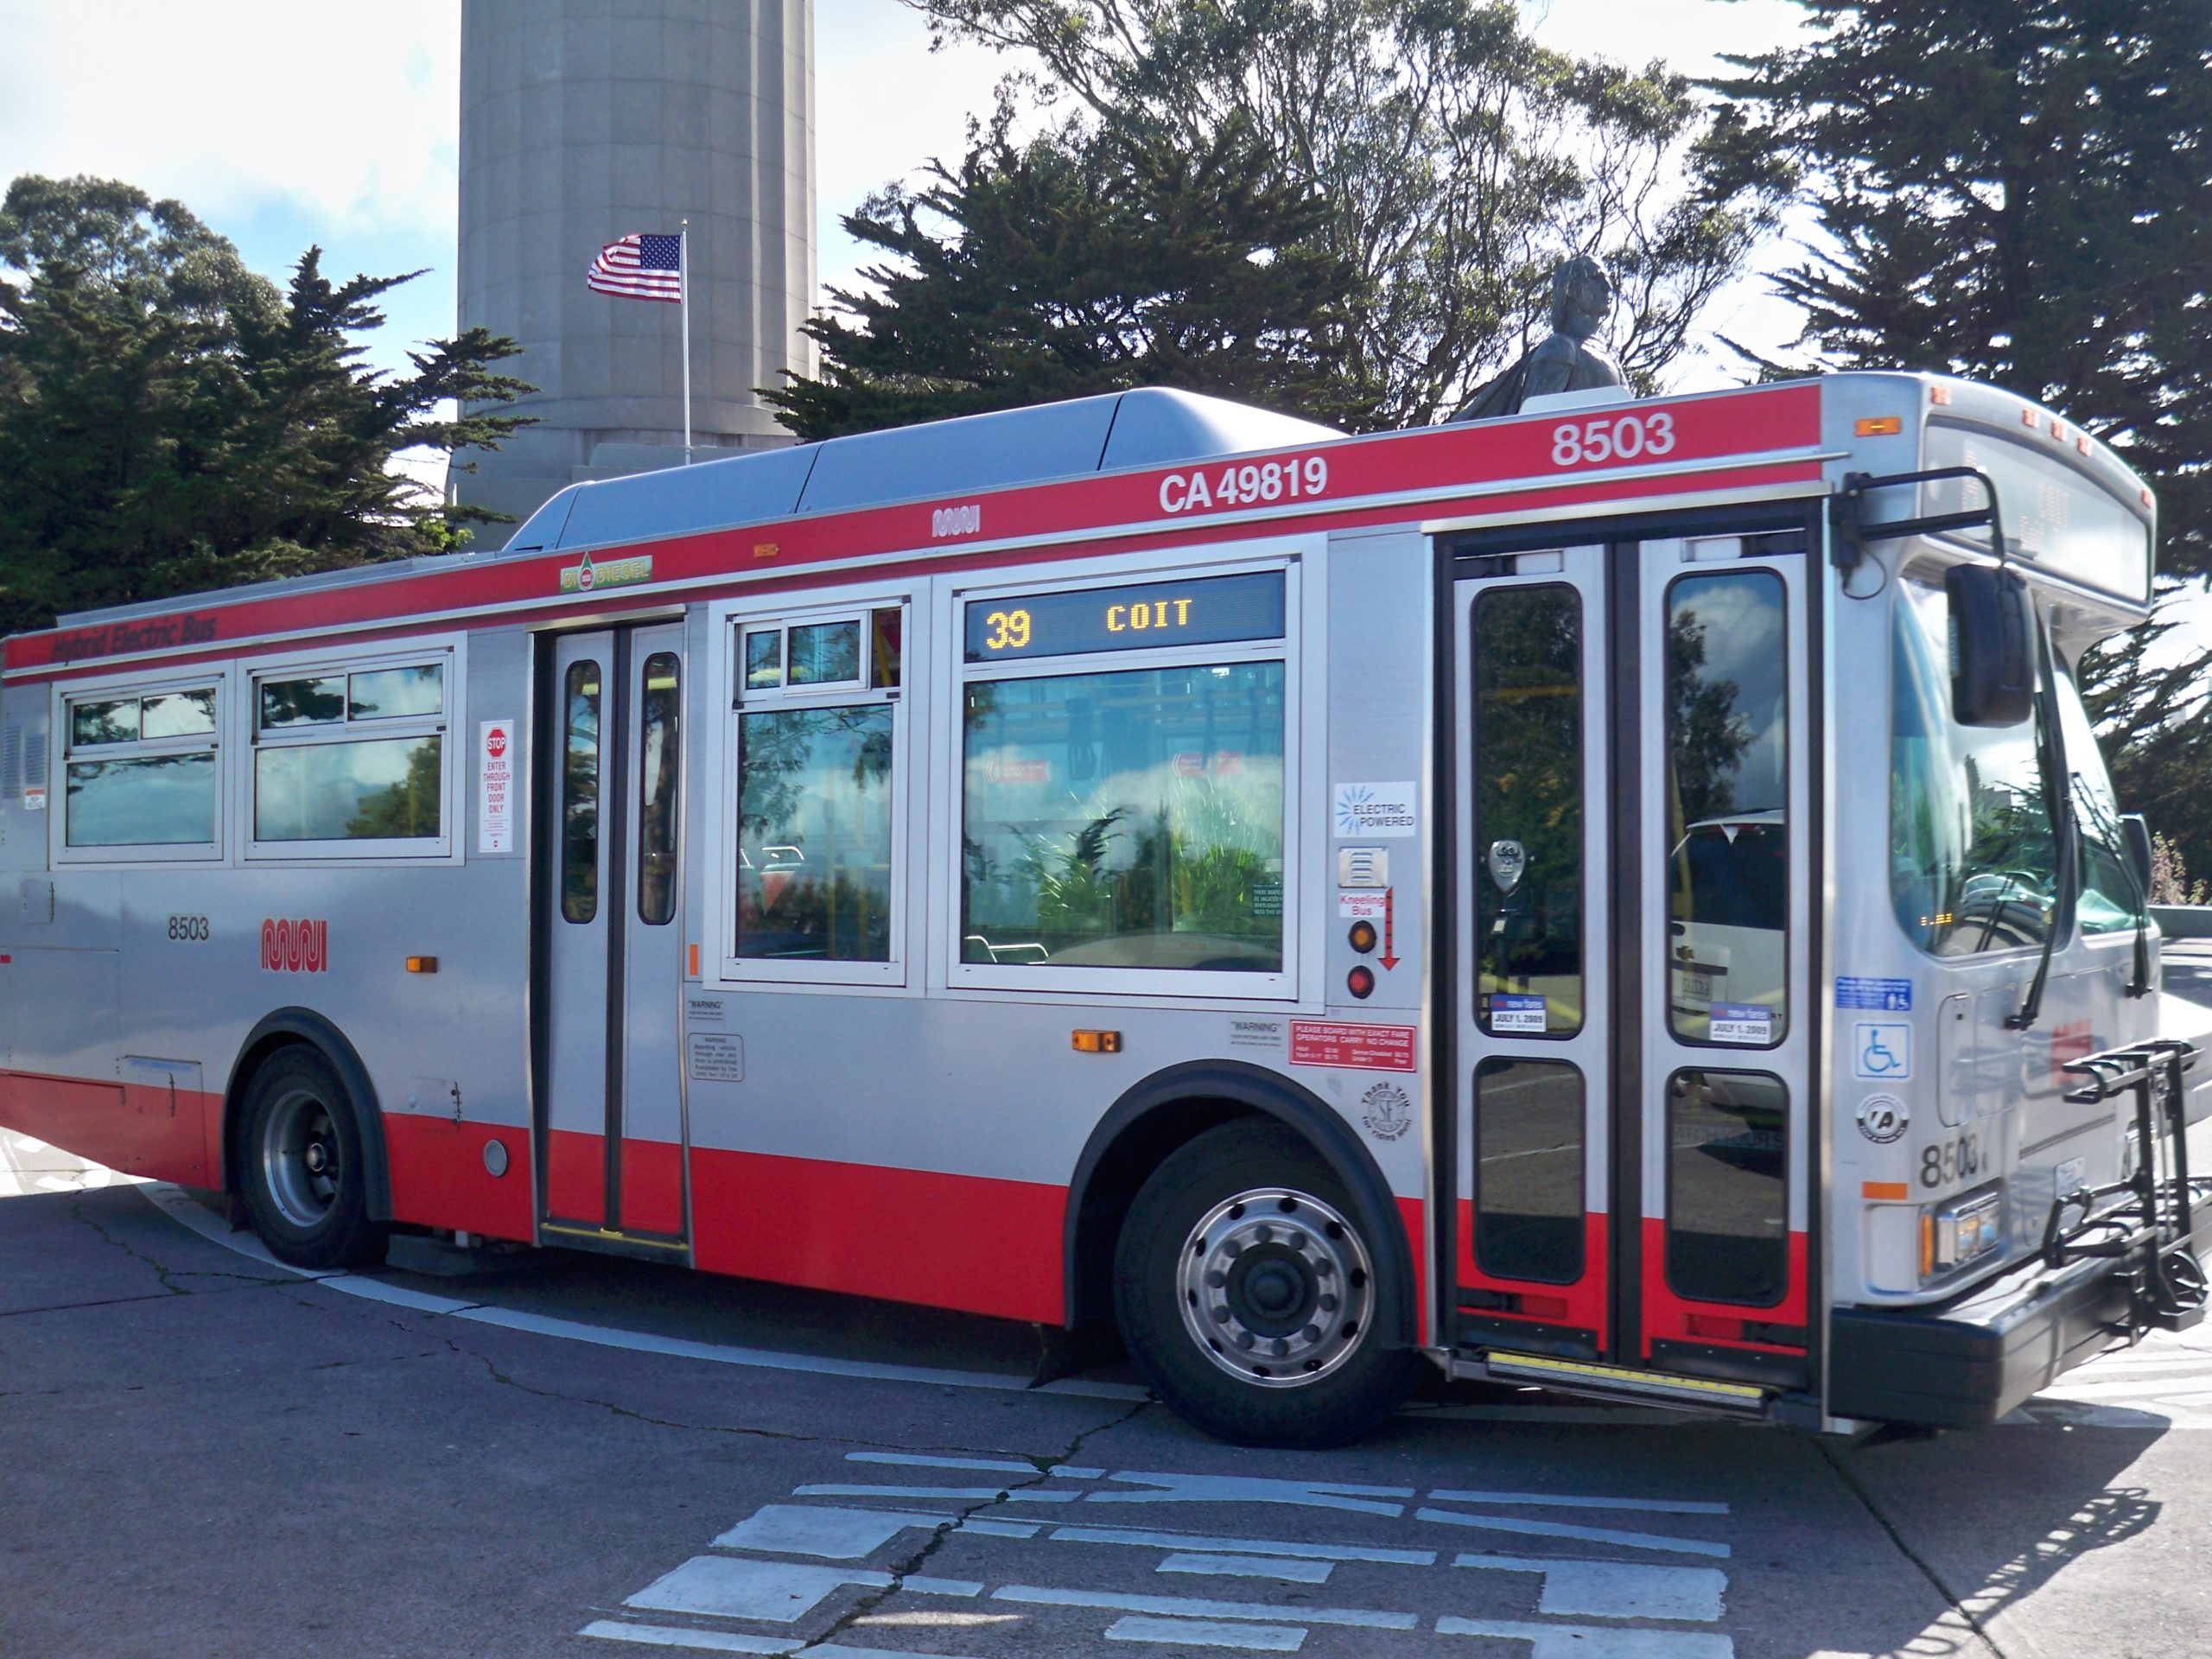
(1361, 980)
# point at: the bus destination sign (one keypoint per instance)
(1208, 611)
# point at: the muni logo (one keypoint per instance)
(301, 947)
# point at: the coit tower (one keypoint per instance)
(582, 121)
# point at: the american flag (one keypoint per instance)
(640, 268)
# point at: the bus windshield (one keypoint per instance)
(1973, 863)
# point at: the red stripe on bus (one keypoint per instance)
(1410, 1212)
(1581, 1304)
(439, 1178)
(138, 1130)
(974, 1242)
(652, 1186)
(1668, 1317)
(576, 1177)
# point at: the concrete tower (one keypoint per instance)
(582, 121)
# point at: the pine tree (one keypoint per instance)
(170, 422)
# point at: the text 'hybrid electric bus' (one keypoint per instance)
(1623, 898)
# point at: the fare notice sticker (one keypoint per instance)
(1353, 1047)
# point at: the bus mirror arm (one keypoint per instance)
(1847, 514)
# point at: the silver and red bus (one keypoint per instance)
(1622, 899)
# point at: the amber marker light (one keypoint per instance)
(1879, 426)
(1884, 1190)
(1096, 1042)
(422, 964)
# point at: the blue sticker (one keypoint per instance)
(1891, 995)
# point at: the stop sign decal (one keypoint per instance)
(495, 742)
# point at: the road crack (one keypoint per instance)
(1926, 1567)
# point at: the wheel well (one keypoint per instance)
(1175, 1106)
(301, 1028)
(1125, 1164)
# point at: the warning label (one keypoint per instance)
(1352, 1047)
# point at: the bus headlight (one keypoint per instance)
(1962, 1229)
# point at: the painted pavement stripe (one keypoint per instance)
(1587, 1534)
(828, 1532)
(1207, 1633)
(1149, 1540)
(1595, 1641)
(1249, 1566)
(941, 1587)
(1364, 1618)
(1616, 1589)
(675, 1636)
(775, 1591)
(1547, 1500)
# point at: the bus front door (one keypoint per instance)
(610, 1095)
(1632, 1035)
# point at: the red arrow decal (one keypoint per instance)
(1389, 958)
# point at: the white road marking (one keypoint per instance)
(1149, 1540)
(957, 1494)
(1616, 1589)
(1249, 1489)
(834, 1535)
(1547, 1500)
(1595, 1641)
(941, 1587)
(675, 1636)
(774, 1591)
(1207, 1633)
(1249, 1566)
(1190, 1608)
(1587, 1534)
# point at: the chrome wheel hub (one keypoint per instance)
(301, 1165)
(1275, 1287)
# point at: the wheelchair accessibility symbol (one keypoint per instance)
(1882, 1051)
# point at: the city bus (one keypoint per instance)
(1622, 898)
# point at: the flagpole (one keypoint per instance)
(684, 290)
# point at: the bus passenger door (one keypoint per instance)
(611, 1094)
(1533, 1072)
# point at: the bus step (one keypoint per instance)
(1615, 1382)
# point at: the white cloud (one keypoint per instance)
(346, 115)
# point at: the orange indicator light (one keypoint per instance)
(1879, 426)
(422, 964)
(1884, 1190)
(695, 962)
(1096, 1042)
(1940, 395)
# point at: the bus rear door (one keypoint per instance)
(1631, 1031)
(610, 1098)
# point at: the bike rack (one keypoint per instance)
(2147, 1221)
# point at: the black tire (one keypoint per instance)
(304, 1176)
(1247, 1230)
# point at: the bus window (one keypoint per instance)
(659, 763)
(2111, 900)
(1727, 1195)
(141, 770)
(580, 794)
(1526, 663)
(1727, 782)
(816, 743)
(1973, 864)
(1125, 820)
(342, 758)
(1529, 1172)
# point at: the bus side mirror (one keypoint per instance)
(2138, 846)
(1993, 662)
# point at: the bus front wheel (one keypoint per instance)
(306, 1180)
(1248, 1292)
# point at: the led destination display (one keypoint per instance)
(1208, 611)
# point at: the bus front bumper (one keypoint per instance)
(1966, 1363)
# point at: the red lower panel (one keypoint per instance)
(652, 1186)
(576, 1177)
(966, 1241)
(161, 1135)
(1581, 1304)
(1668, 1317)
(439, 1178)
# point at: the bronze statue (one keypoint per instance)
(1565, 360)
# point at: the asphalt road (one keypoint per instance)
(203, 1453)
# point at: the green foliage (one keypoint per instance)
(2155, 727)
(170, 422)
(1347, 207)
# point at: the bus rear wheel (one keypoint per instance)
(1247, 1290)
(306, 1181)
